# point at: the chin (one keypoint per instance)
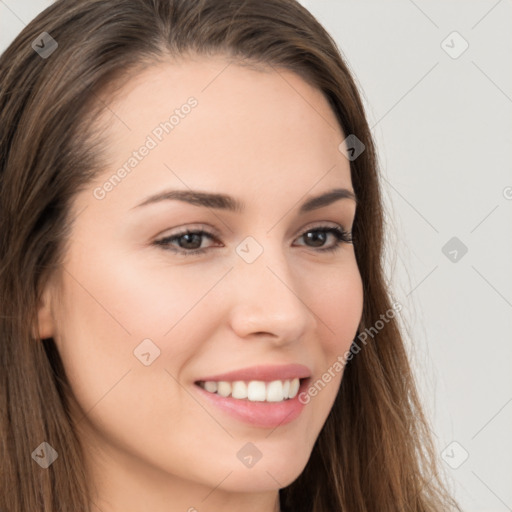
(275, 473)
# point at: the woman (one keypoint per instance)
(194, 311)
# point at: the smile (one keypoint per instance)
(254, 390)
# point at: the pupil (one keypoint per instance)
(316, 236)
(188, 236)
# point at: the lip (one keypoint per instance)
(269, 415)
(265, 373)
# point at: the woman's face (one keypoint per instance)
(140, 320)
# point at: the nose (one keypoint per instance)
(266, 300)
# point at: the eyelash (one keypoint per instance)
(340, 234)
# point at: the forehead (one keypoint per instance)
(262, 130)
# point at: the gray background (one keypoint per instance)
(443, 126)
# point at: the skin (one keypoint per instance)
(271, 140)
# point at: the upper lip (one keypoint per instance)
(265, 373)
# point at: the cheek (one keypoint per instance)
(126, 298)
(338, 309)
(139, 409)
(126, 329)
(338, 306)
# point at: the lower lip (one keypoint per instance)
(259, 414)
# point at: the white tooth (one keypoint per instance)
(224, 388)
(239, 389)
(210, 386)
(256, 391)
(286, 389)
(294, 387)
(275, 391)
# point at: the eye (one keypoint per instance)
(189, 242)
(320, 234)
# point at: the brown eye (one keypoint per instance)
(318, 237)
(186, 243)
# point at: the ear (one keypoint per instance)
(45, 323)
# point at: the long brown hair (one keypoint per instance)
(374, 451)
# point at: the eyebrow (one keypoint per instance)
(229, 203)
